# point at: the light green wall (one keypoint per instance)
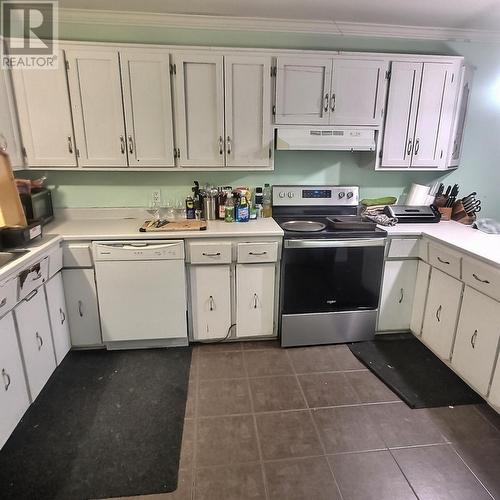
(479, 171)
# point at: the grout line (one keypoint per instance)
(256, 430)
(472, 472)
(318, 435)
(403, 473)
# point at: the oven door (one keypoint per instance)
(321, 276)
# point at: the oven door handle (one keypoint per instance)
(358, 242)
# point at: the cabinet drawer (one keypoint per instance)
(476, 342)
(210, 253)
(482, 277)
(33, 277)
(403, 247)
(8, 295)
(257, 252)
(77, 255)
(55, 261)
(445, 259)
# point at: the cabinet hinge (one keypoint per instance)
(270, 153)
(441, 154)
(171, 68)
(274, 110)
(274, 70)
(380, 154)
(388, 75)
(66, 63)
(452, 77)
(175, 69)
(23, 151)
(175, 153)
(77, 151)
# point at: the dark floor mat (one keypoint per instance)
(107, 424)
(413, 372)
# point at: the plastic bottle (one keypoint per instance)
(190, 210)
(242, 210)
(267, 208)
(229, 208)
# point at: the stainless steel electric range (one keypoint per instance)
(332, 264)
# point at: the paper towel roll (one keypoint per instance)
(417, 195)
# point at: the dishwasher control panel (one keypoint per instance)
(138, 250)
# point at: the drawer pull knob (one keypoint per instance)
(401, 298)
(443, 261)
(6, 379)
(257, 253)
(473, 339)
(438, 313)
(476, 277)
(31, 295)
(3, 301)
(211, 254)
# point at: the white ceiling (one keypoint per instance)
(454, 14)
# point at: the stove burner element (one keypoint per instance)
(303, 226)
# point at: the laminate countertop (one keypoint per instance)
(462, 238)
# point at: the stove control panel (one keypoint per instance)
(315, 196)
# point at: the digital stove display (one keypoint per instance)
(316, 193)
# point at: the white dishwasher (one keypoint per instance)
(141, 286)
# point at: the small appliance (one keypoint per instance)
(417, 214)
(37, 205)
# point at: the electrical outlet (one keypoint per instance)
(156, 197)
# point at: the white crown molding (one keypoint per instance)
(185, 21)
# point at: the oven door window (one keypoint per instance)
(331, 279)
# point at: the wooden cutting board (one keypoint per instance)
(184, 225)
(11, 208)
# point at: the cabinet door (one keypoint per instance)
(58, 316)
(148, 108)
(36, 340)
(441, 313)
(14, 400)
(199, 98)
(248, 111)
(494, 395)
(96, 96)
(357, 92)
(45, 116)
(10, 140)
(81, 303)
(397, 295)
(255, 299)
(476, 343)
(427, 151)
(420, 297)
(211, 301)
(303, 90)
(401, 113)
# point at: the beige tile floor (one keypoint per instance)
(312, 423)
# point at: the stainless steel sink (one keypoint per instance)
(8, 257)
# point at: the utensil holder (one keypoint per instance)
(460, 215)
(445, 213)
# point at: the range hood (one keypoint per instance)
(325, 138)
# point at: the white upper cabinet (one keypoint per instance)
(10, 140)
(96, 96)
(303, 90)
(420, 114)
(199, 98)
(248, 111)
(45, 116)
(358, 92)
(147, 101)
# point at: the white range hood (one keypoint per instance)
(325, 138)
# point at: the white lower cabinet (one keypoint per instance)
(211, 301)
(441, 313)
(419, 297)
(255, 299)
(397, 295)
(36, 340)
(476, 341)
(14, 400)
(58, 317)
(494, 395)
(81, 303)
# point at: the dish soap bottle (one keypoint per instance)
(243, 211)
(229, 208)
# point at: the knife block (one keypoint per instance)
(459, 214)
